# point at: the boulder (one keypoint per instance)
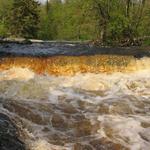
(9, 139)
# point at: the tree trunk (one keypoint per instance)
(104, 34)
(47, 7)
(128, 8)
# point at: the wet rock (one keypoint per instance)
(82, 104)
(78, 117)
(86, 106)
(58, 122)
(66, 108)
(115, 108)
(26, 41)
(139, 56)
(109, 131)
(26, 112)
(104, 144)
(145, 124)
(145, 135)
(120, 108)
(8, 135)
(97, 93)
(79, 146)
(57, 139)
(85, 128)
(103, 109)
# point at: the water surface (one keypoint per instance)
(95, 102)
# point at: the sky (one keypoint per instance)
(43, 1)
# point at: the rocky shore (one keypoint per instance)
(36, 48)
(9, 135)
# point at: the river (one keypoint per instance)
(74, 99)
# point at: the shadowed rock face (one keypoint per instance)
(68, 49)
(8, 135)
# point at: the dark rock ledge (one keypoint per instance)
(52, 48)
(8, 135)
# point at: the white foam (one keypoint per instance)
(125, 129)
(131, 88)
(17, 73)
(23, 83)
(44, 145)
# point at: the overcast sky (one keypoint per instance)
(43, 1)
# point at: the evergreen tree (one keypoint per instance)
(5, 8)
(24, 18)
(104, 21)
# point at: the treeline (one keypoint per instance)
(103, 21)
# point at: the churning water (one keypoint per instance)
(78, 103)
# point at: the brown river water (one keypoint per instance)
(99, 102)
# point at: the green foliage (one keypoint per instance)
(118, 19)
(66, 21)
(5, 7)
(24, 18)
(3, 30)
(108, 21)
(146, 42)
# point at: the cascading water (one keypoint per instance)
(99, 102)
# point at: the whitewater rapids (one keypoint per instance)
(84, 111)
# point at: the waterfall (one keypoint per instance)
(78, 102)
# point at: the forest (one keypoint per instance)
(110, 22)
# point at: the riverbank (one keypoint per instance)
(38, 48)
